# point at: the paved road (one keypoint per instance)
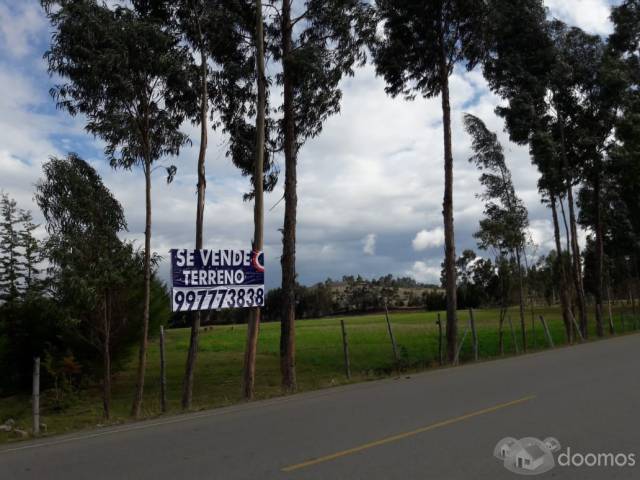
(438, 425)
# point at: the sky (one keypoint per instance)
(369, 187)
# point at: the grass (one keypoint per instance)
(319, 360)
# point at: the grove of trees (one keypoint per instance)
(268, 76)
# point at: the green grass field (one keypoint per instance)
(320, 362)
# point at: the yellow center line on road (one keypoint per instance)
(401, 436)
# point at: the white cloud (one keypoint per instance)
(425, 273)
(369, 244)
(20, 25)
(590, 15)
(542, 234)
(428, 238)
(376, 167)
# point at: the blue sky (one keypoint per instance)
(370, 186)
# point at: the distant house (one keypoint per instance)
(530, 457)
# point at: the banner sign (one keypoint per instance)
(216, 279)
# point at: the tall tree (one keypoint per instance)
(506, 219)
(588, 110)
(91, 264)
(258, 211)
(127, 74)
(11, 267)
(316, 47)
(625, 153)
(543, 90)
(194, 19)
(422, 43)
(32, 254)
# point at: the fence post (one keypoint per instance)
(546, 331)
(575, 325)
(459, 349)
(513, 335)
(439, 339)
(612, 330)
(501, 331)
(163, 373)
(36, 396)
(474, 335)
(345, 347)
(393, 340)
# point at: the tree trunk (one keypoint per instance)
(566, 226)
(106, 359)
(142, 356)
(577, 268)
(447, 206)
(564, 296)
(523, 325)
(575, 249)
(192, 356)
(599, 253)
(611, 327)
(288, 261)
(253, 326)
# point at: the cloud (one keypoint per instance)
(590, 15)
(369, 244)
(376, 167)
(542, 234)
(425, 273)
(20, 26)
(428, 238)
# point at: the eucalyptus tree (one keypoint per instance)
(422, 42)
(625, 153)
(126, 73)
(258, 183)
(544, 90)
(506, 218)
(551, 186)
(316, 46)
(588, 104)
(520, 75)
(193, 19)
(90, 262)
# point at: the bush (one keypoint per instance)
(29, 328)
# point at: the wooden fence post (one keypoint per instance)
(612, 330)
(501, 331)
(345, 347)
(576, 327)
(546, 331)
(533, 330)
(474, 335)
(513, 336)
(36, 396)
(456, 359)
(439, 322)
(393, 340)
(163, 373)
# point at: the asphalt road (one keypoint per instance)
(437, 425)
